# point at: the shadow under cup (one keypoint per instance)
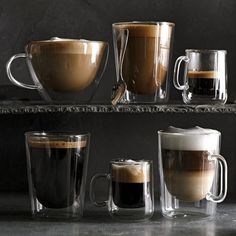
(57, 167)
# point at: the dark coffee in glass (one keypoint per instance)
(130, 184)
(203, 82)
(57, 170)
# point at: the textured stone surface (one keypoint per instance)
(19, 108)
(15, 220)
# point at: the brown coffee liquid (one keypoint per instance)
(188, 174)
(57, 171)
(202, 82)
(65, 72)
(66, 65)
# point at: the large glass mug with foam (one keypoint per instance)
(205, 76)
(142, 56)
(193, 175)
(63, 69)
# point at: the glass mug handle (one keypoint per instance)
(11, 77)
(223, 180)
(176, 72)
(91, 190)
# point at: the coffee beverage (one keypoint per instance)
(65, 65)
(146, 56)
(188, 171)
(57, 170)
(202, 82)
(130, 184)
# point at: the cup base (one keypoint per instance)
(134, 98)
(131, 215)
(181, 214)
(68, 213)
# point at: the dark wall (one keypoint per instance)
(199, 24)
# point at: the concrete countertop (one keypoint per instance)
(15, 219)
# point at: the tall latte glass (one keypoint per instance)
(193, 174)
(142, 55)
(57, 169)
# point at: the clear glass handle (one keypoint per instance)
(223, 180)
(176, 72)
(11, 77)
(91, 190)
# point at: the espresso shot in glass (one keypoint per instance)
(130, 190)
(57, 169)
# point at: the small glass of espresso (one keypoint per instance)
(205, 76)
(57, 169)
(130, 190)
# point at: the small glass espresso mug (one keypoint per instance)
(57, 170)
(205, 76)
(130, 190)
(193, 175)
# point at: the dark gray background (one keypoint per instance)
(199, 24)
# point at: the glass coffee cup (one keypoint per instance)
(130, 190)
(205, 76)
(142, 56)
(57, 170)
(193, 175)
(63, 69)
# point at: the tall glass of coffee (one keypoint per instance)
(205, 76)
(142, 55)
(57, 169)
(130, 190)
(193, 175)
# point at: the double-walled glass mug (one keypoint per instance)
(142, 56)
(205, 76)
(193, 175)
(130, 190)
(63, 69)
(57, 170)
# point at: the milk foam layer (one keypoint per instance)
(131, 172)
(195, 138)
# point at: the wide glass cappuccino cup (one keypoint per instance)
(142, 56)
(193, 175)
(63, 69)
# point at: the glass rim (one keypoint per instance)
(124, 161)
(56, 134)
(206, 50)
(144, 23)
(67, 40)
(215, 132)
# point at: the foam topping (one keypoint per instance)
(131, 172)
(195, 138)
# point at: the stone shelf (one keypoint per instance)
(32, 107)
